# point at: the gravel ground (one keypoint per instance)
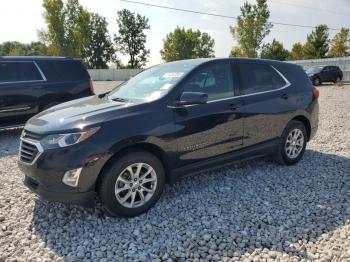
(250, 211)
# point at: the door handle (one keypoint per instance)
(234, 107)
(285, 96)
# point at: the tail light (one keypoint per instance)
(315, 92)
(91, 83)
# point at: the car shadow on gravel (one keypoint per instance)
(223, 213)
(9, 142)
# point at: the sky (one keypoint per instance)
(20, 20)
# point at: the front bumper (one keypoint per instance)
(79, 198)
(44, 175)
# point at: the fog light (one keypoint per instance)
(71, 177)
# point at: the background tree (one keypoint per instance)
(340, 46)
(297, 52)
(68, 28)
(187, 44)
(100, 49)
(317, 44)
(131, 38)
(14, 48)
(274, 51)
(252, 27)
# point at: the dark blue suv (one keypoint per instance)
(29, 85)
(169, 121)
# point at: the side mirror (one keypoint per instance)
(192, 98)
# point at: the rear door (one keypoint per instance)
(326, 75)
(269, 100)
(67, 80)
(20, 87)
(211, 129)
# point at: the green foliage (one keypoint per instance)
(131, 38)
(100, 49)
(340, 46)
(317, 44)
(187, 44)
(274, 51)
(237, 52)
(19, 49)
(297, 52)
(68, 28)
(251, 28)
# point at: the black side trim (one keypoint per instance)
(251, 152)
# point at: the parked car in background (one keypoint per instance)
(321, 74)
(169, 121)
(29, 85)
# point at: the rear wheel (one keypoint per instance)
(132, 185)
(338, 80)
(292, 143)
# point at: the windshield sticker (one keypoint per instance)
(173, 75)
(166, 86)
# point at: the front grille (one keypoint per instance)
(28, 152)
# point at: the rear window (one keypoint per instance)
(62, 71)
(19, 72)
(256, 78)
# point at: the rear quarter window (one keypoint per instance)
(19, 72)
(63, 71)
(256, 78)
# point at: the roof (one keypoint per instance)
(199, 61)
(31, 58)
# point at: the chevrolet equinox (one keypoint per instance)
(168, 121)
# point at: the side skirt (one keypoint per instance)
(251, 152)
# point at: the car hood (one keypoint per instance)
(76, 114)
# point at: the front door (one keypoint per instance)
(211, 129)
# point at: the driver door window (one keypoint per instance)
(214, 80)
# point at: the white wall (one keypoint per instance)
(126, 74)
(113, 74)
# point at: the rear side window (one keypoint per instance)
(65, 70)
(256, 78)
(19, 72)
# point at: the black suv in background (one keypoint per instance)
(29, 85)
(320, 74)
(168, 121)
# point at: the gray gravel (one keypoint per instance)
(251, 211)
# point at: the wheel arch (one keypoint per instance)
(141, 146)
(306, 123)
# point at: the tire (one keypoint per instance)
(117, 177)
(316, 81)
(284, 156)
(338, 80)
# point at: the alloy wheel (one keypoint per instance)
(135, 185)
(294, 143)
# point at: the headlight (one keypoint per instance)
(63, 140)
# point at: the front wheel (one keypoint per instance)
(292, 144)
(132, 185)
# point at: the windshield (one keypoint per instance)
(152, 83)
(314, 70)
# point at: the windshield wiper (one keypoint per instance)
(103, 95)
